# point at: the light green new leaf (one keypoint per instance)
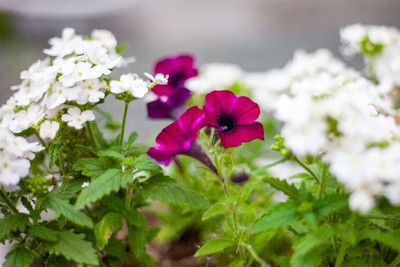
(167, 190)
(42, 232)
(215, 210)
(73, 247)
(282, 185)
(213, 246)
(19, 257)
(279, 215)
(13, 222)
(110, 181)
(70, 212)
(110, 223)
(145, 163)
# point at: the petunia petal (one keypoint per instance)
(242, 134)
(192, 120)
(220, 102)
(245, 111)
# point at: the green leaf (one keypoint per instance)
(67, 190)
(132, 137)
(121, 48)
(110, 181)
(215, 210)
(13, 222)
(167, 190)
(237, 263)
(54, 149)
(390, 239)
(279, 215)
(111, 154)
(213, 246)
(330, 204)
(73, 247)
(91, 167)
(110, 223)
(42, 232)
(19, 257)
(70, 212)
(134, 217)
(282, 185)
(115, 248)
(145, 163)
(138, 240)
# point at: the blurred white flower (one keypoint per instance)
(49, 129)
(12, 169)
(129, 83)
(159, 78)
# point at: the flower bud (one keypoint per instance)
(239, 178)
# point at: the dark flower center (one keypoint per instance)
(227, 123)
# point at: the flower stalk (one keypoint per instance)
(121, 141)
(7, 201)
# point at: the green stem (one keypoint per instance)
(255, 256)
(7, 201)
(92, 135)
(121, 141)
(341, 254)
(307, 169)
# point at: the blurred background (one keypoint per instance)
(255, 34)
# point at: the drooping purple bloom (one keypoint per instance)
(173, 96)
(180, 138)
(239, 178)
(234, 118)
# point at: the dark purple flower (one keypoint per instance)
(173, 96)
(179, 69)
(234, 117)
(239, 178)
(180, 138)
(172, 107)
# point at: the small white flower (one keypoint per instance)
(67, 44)
(90, 91)
(129, 83)
(49, 129)
(107, 38)
(82, 71)
(85, 184)
(159, 78)
(59, 94)
(75, 118)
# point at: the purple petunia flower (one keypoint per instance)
(234, 117)
(173, 96)
(180, 138)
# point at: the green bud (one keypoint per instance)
(285, 152)
(275, 147)
(305, 207)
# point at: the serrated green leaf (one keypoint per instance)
(282, 185)
(91, 167)
(19, 257)
(110, 181)
(279, 215)
(167, 190)
(42, 232)
(134, 217)
(73, 247)
(13, 222)
(215, 210)
(145, 163)
(132, 137)
(70, 212)
(67, 190)
(54, 149)
(213, 246)
(138, 240)
(111, 154)
(108, 225)
(59, 261)
(330, 204)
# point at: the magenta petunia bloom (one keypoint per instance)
(173, 96)
(179, 69)
(234, 117)
(180, 138)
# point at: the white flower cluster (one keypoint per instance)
(330, 110)
(380, 46)
(215, 76)
(65, 85)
